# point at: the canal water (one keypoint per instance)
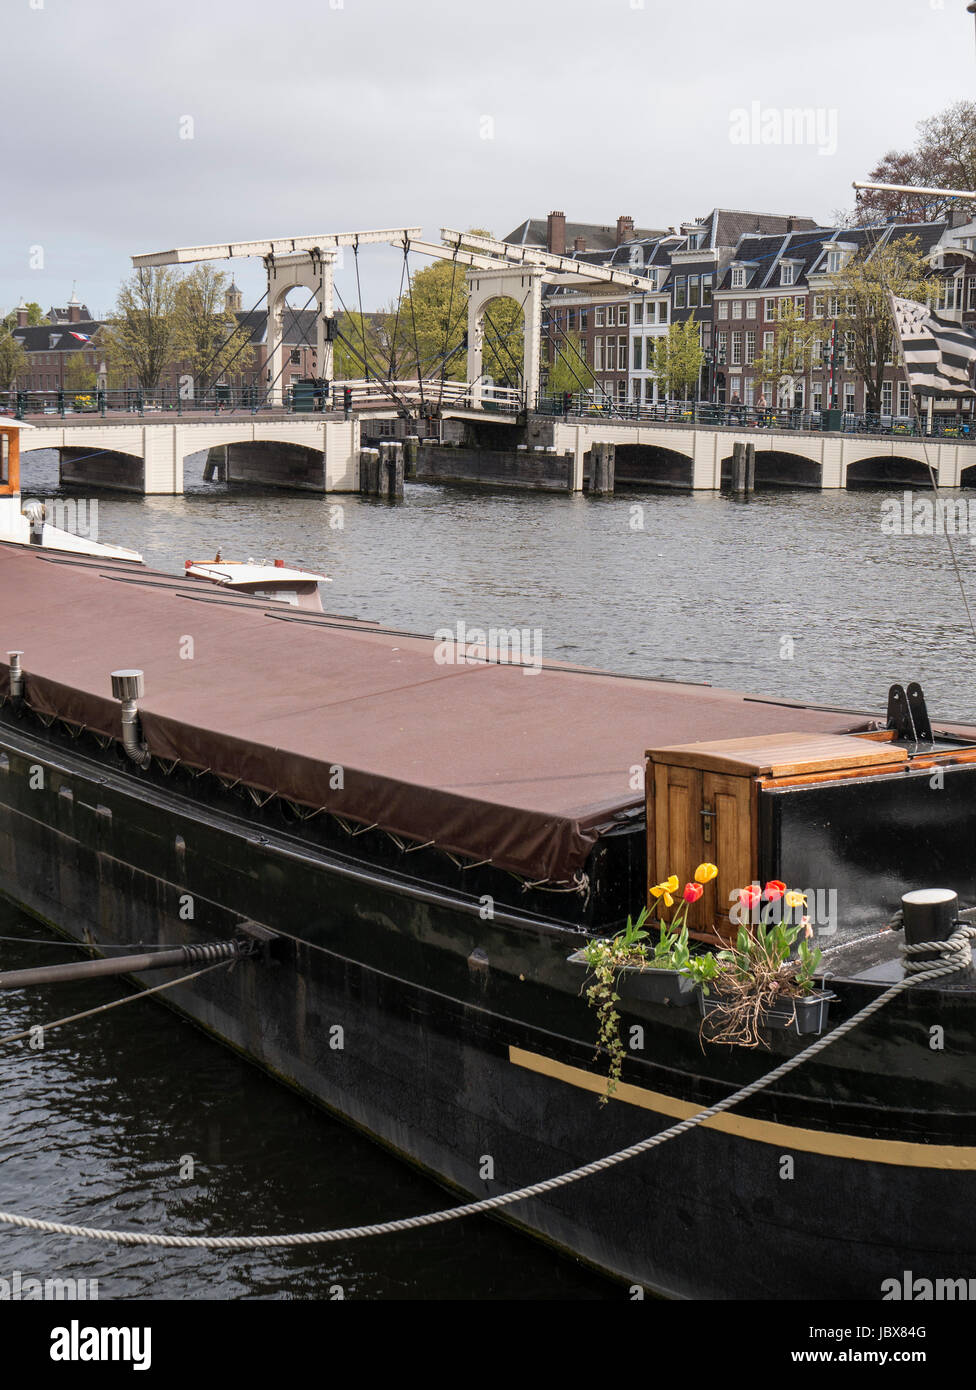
(135, 1119)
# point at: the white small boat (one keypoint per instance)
(269, 579)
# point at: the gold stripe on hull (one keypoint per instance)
(893, 1151)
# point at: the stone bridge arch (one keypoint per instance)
(652, 465)
(778, 467)
(888, 470)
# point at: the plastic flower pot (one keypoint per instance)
(650, 985)
(800, 1014)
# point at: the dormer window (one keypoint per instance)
(835, 261)
(786, 275)
(738, 277)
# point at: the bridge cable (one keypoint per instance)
(284, 362)
(416, 340)
(396, 322)
(447, 325)
(359, 295)
(244, 344)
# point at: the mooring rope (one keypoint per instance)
(114, 1004)
(950, 948)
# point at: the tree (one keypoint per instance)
(678, 358)
(78, 375)
(138, 339)
(862, 288)
(569, 371)
(944, 156)
(13, 360)
(205, 335)
(351, 360)
(790, 355)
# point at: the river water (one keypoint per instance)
(791, 594)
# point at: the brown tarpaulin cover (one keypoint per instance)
(481, 759)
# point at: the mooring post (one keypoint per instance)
(750, 468)
(369, 463)
(738, 467)
(411, 452)
(396, 469)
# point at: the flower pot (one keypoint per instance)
(650, 985)
(806, 1014)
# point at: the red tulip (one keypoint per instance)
(775, 888)
(693, 892)
(750, 896)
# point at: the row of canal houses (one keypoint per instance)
(729, 271)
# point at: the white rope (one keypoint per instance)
(486, 1204)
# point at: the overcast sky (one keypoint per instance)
(311, 116)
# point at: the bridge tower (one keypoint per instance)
(523, 284)
(313, 271)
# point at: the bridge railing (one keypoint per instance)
(595, 405)
(131, 401)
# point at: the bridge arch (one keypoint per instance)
(524, 285)
(652, 465)
(888, 470)
(780, 468)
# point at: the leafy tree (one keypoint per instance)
(139, 338)
(944, 156)
(206, 336)
(78, 375)
(863, 287)
(568, 371)
(678, 358)
(791, 353)
(13, 360)
(351, 361)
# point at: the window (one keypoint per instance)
(638, 313)
(736, 349)
(887, 391)
(849, 397)
(706, 287)
(835, 262)
(752, 308)
(737, 308)
(598, 317)
(817, 352)
(680, 292)
(648, 389)
(610, 355)
(849, 346)
(621, 391)
(738, 277)
(800, 305)
(819, 304)
(296, 356)
(768, 340)
(851, 306)
(621, 354)
(638, 345)
(662, 312)
(904, 399)
(770, 308)
(735, 386)
(786, 274)
(750, 347)
(571, 318)
(582, 349)
(622, 316)
(833, 309)
(611, 315)
(598, 354)
(721, 346)
(750, 392)
(584, 319)
(693, 289)
(723, 308)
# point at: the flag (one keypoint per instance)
(82, 337)
(939, 355)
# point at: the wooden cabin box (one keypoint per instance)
(704, 805)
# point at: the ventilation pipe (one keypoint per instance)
(128, 687)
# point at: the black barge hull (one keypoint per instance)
(461, 1041)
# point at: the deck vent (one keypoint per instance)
(129, 686)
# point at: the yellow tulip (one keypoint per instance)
(794, 899)
(665, 889)
(705, 873)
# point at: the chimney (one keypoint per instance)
(789, 222)
(74, 309)
(579, 244)
(556, 234)
(21, 314)
(625, 229)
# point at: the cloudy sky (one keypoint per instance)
(137, 127)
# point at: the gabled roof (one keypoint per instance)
(38, 338)
(534, 232)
